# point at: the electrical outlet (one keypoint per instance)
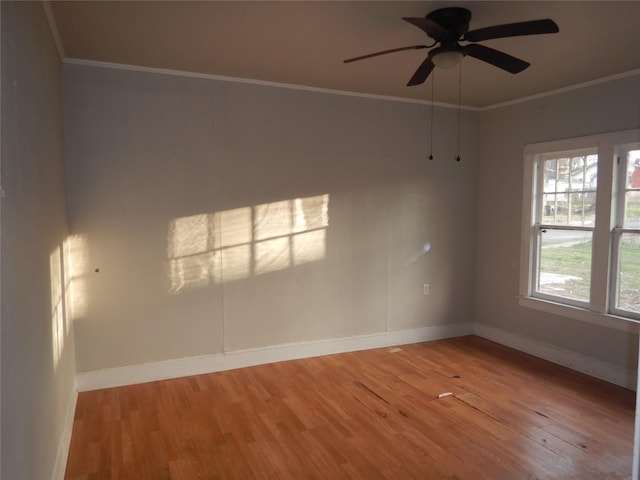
(425, 289)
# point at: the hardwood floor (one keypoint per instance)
(373, 414)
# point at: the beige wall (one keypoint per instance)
(38, 365)
(180, 188)
(608, 107)
(208, 216)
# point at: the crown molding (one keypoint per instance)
(577, 86)
(291, 86)
(53, 27)
(223, 78)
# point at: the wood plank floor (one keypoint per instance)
(374, 414)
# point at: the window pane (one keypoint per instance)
(591, 172)
(569, 190)
(632, 210)
(632, 194)
(633, 169)
(582, 210)
(629, 274)
(549, 208)
(550, 173)
(576, 179)
(565, 263)
(562, 179)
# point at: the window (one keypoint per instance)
(581, 228)
(626, 244)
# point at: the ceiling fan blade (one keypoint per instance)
(495, 58)
(533, 27)
(422, 72)
(428, 26)
(384, 52)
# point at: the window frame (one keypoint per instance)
(600, 309)
(619, 228)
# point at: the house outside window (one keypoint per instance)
(581, 227)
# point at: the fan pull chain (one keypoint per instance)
(431, 121)
(459, 109)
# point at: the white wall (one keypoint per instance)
(163, 166)
(504, 132)
(38, 365)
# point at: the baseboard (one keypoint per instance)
(576, 361)
(65, 439)
(181, 367)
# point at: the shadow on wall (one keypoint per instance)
(244, 242)
(68, 269)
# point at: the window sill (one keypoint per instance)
(623, 324)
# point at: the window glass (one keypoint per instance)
(565, 263)
(627, 286)
(628, 294)
(569, 190)
(632, 191)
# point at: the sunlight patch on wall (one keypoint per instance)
(236, 234)
(67, 265)
(58, 308)
(77, 268)
(191, 251)
(244, 242)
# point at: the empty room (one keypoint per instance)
(319, 239)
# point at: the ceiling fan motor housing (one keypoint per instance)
(454, 20)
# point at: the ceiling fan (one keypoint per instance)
(450, 26)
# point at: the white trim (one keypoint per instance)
(181, 367)
(53, 26)
(613, 322)
(577, 86)
(594, 367)
(65, 439)
(527, 237)
(180, 73)
(265, 83)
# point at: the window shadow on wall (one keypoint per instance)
(244, 242)
(67, 268)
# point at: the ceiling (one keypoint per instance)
(305, 42)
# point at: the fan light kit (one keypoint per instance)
(446, 58)
(450, 26)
